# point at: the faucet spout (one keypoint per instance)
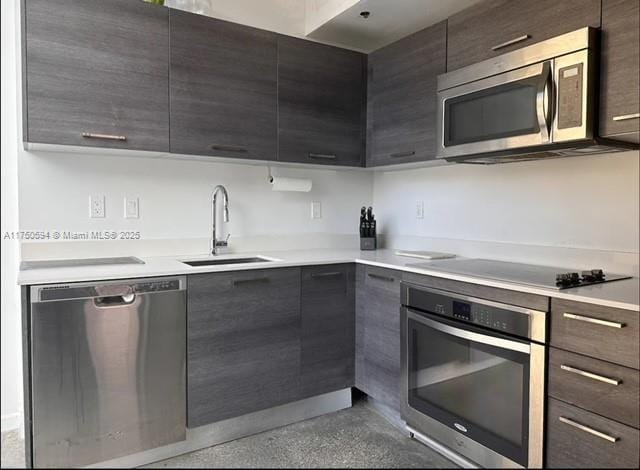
(215, 243)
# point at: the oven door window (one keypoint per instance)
(498, 112)
(478, 389)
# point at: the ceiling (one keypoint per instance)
(336, 22)
(389, 20)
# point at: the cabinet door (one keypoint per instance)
(327, 308)
(378, 334)
(402, 98)
(223, 88)
(620, 70)
(243, 343)
(321, 103)
(493, 27)
(97, 73)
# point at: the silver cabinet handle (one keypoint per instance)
(324, 275)
(381, 278)
(626, 117)
(595, 321)
(510, 42)
(590, 375)
(587, 429)
(91, 135)
(403, 154)
(325, 156)
(228, 148)
(237, 282)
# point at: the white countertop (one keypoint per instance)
(619, 294)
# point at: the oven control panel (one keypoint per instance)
(509, 319)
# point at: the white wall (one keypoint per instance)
(589, 203)
(282, 16)
(175, 196)
(11, 382)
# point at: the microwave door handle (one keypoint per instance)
(469, 335)
(544, 102)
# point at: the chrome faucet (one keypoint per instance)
(215, 243)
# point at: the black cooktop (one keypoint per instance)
(547, 277)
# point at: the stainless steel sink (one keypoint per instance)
(221, 262)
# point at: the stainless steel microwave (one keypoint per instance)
(536, 102)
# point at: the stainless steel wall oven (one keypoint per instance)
(473, 376)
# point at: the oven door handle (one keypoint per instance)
(544, 102)
(469, 335)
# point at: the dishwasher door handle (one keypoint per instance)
(114, 300)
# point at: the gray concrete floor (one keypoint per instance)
(357, 437)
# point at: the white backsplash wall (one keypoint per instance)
(175, 197)
(589, 203)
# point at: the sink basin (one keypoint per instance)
(221, 262)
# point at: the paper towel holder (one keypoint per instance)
(281, 183)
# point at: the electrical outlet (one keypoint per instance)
(419, 209)
(316, 210)
(96, 206)
(131, 208)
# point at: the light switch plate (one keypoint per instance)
(419, 209)
(131, 208)
(316, 210)
(96, 206)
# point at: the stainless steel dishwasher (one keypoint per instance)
(107, 369)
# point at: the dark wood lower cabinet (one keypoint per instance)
(378, 334)
(243, 346)
(262, 338)
(327, 328)
(580, 439)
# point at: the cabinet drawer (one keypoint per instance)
(609, 334)
(580, 439)
(604, 388)
(491, 28)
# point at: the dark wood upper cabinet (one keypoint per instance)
(493, 27)
(223, 88)
(620, 70)
(96, 73)
(401, 105)
(321, 103)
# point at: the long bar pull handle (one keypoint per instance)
(591, 375)
(251, 280)
(228, 148)
(588, 430)
(381, 278)
(403, 154)
(595, 321)
(626, 117)
(510, 42)
(324, 275)
(324, 156)
(91, 135)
